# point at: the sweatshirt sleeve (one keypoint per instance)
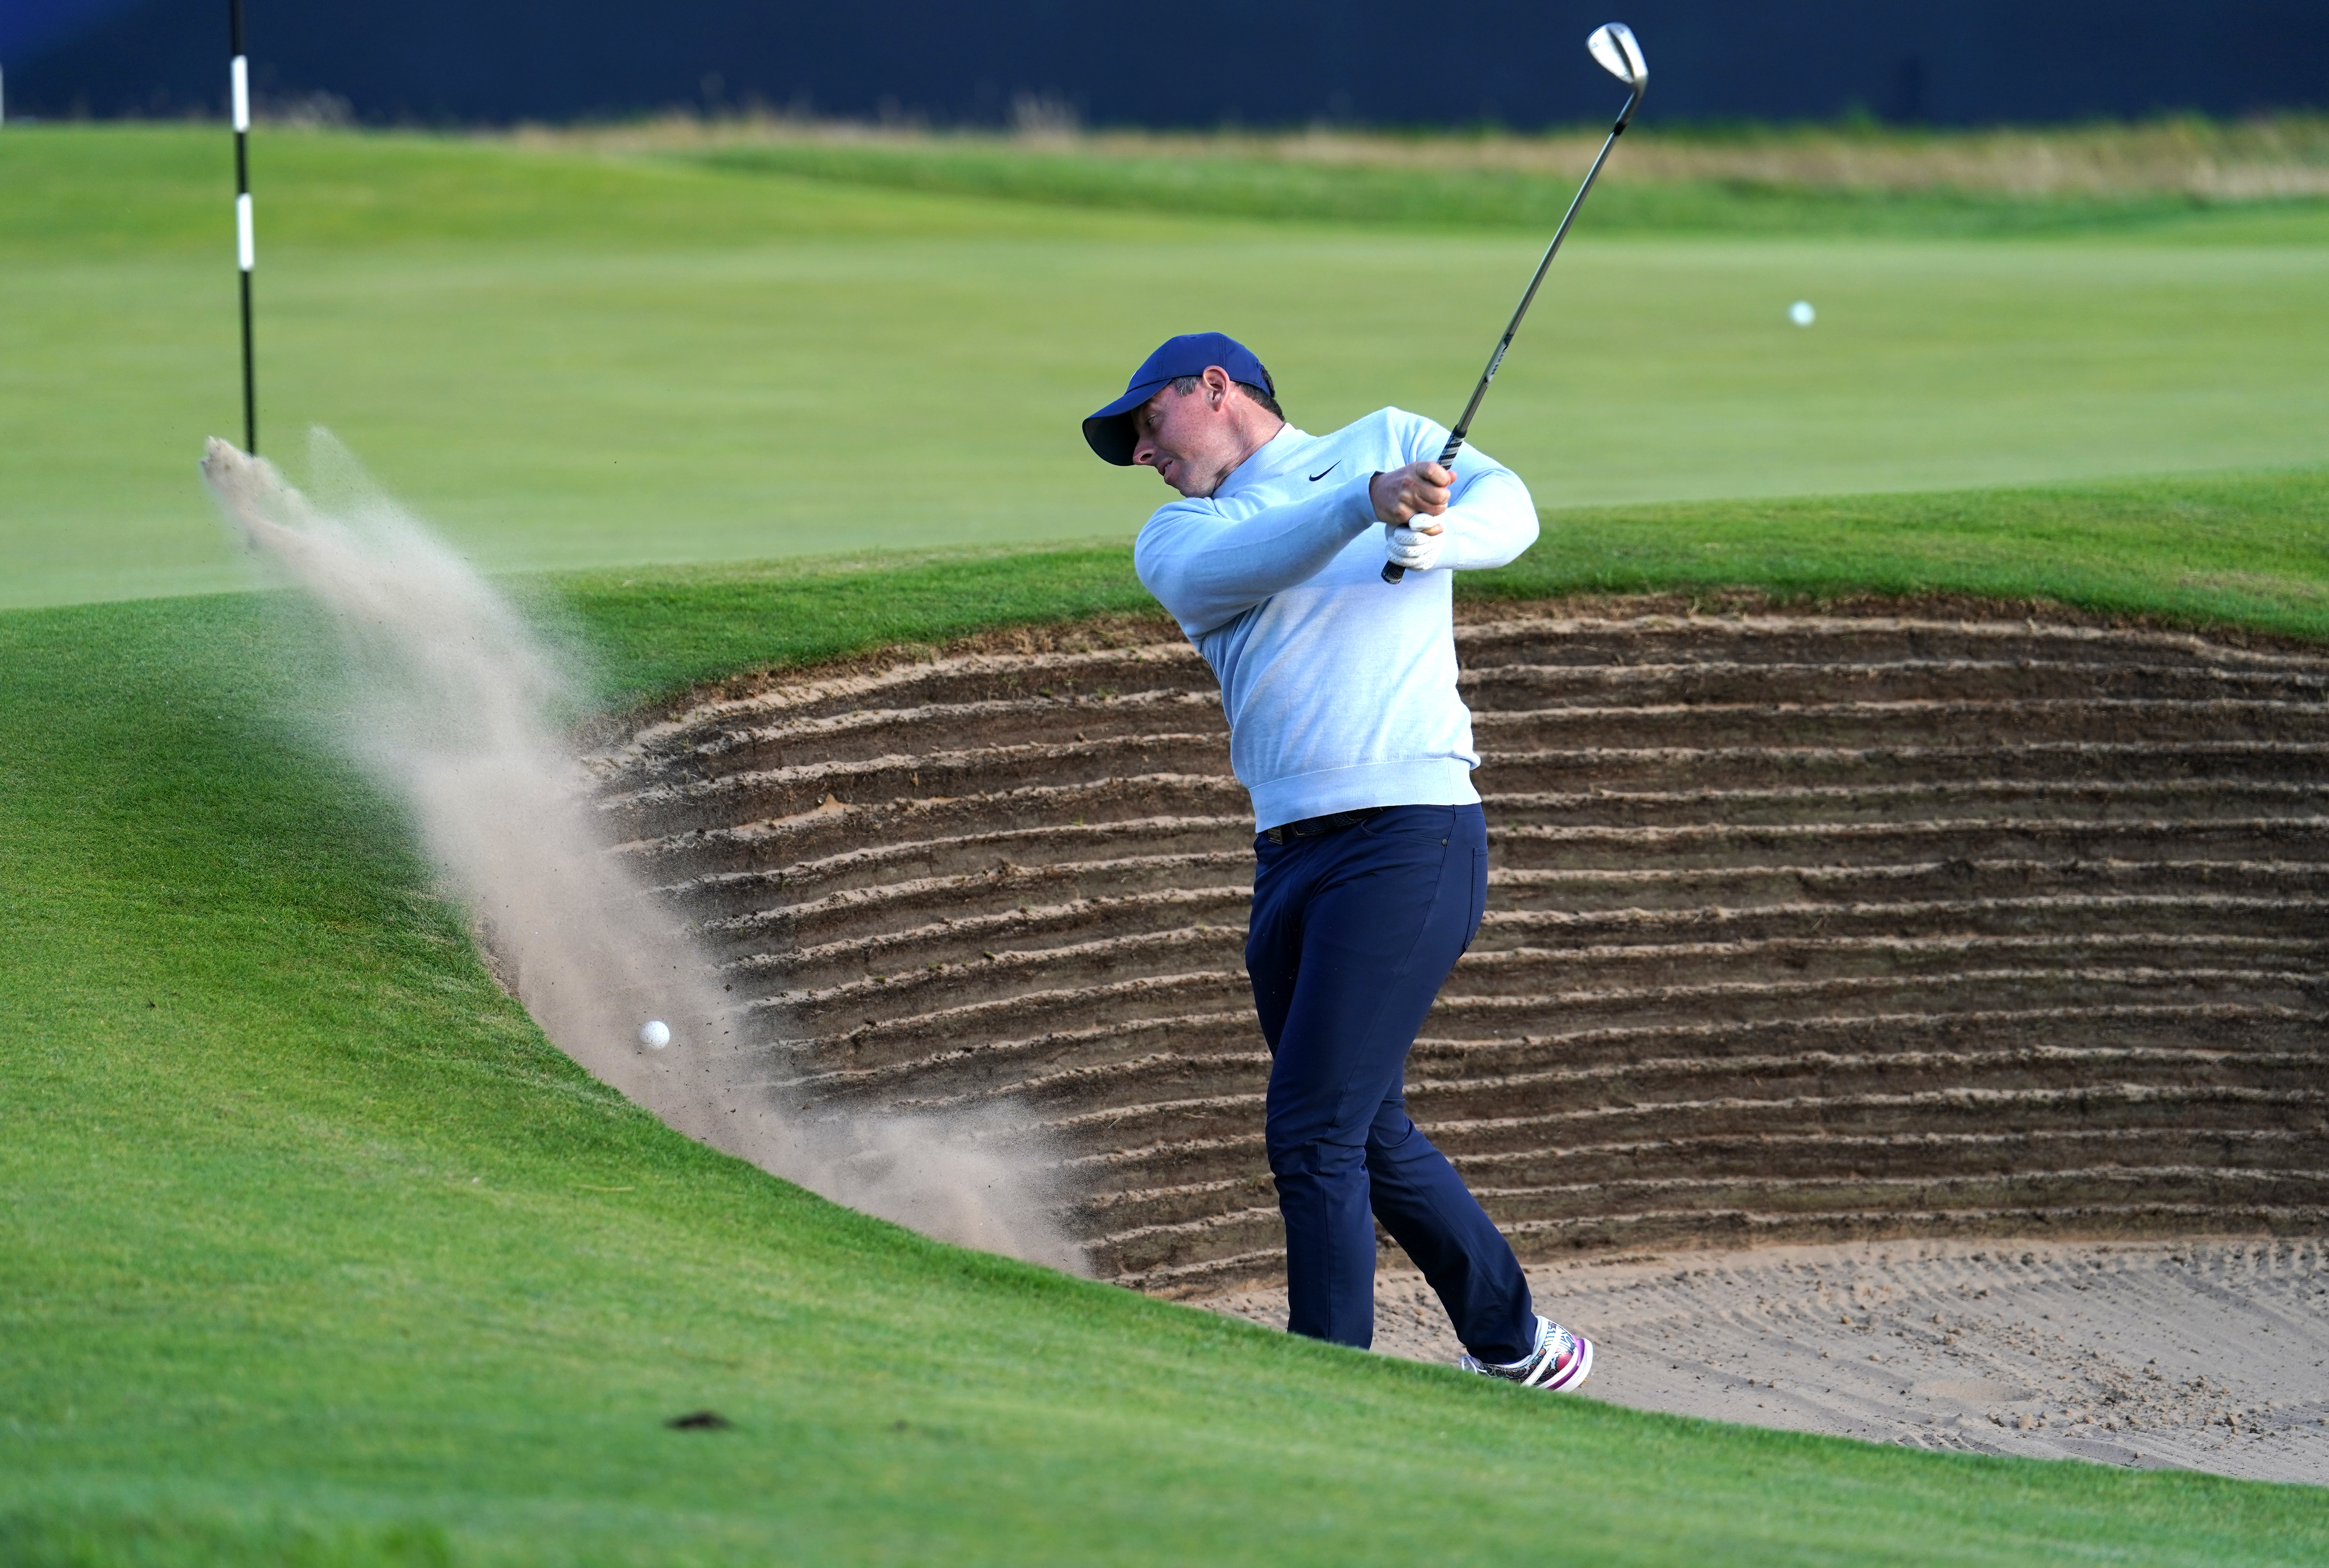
(1207, 570)
(1490, 518)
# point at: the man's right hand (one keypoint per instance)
(1418, 490)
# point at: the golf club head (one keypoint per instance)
(1613, 45)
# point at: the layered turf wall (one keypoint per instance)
(1799, 926)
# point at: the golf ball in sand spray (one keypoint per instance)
(1802, 313)
(450, 699)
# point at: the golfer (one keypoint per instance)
(1371, 855)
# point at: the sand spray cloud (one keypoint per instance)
(451, 703)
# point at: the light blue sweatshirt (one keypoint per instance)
(1340, 687)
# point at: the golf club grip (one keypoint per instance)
(1395, 573)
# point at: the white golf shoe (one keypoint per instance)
(1560, 1360)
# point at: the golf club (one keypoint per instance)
(1613, 45)
(245, 248)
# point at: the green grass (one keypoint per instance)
(316, 1252)
(1231, 183)
(2241, 550)
(568, 359)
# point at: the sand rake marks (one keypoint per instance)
(1799, 926)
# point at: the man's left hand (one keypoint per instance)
(1416, 549)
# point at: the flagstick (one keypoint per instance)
(245, 245)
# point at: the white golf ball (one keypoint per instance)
(655, 1034)
(1802, 313)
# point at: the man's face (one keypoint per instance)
(1189, 437)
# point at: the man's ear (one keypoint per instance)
(1217, 385)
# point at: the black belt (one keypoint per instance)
(1318, 827)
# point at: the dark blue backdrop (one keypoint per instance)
(1519, 62)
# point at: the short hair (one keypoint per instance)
(1185, 384)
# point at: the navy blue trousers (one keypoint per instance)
(1352, 933)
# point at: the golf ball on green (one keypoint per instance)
(1802, 313)
(655, 1034)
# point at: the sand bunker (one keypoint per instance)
(2003, 939)
(1801, 927)
(2204, 1355)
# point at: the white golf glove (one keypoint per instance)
(1414, 551)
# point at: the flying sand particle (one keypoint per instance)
(449, 697)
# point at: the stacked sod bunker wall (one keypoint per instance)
(1799, 926)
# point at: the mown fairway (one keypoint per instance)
(568, 359)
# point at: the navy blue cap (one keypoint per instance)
(1110, 432)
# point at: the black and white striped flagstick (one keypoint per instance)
(245, 246)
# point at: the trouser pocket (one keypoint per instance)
(1479, 896)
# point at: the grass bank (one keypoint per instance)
(2247, 551)
(1659, 184)
(316, 1252)
(1851, 178)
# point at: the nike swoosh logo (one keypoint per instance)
(1326, 470)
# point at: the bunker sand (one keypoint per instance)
(1958, 961)
(2202, 1355)
(1953, 963)
(1936, 921)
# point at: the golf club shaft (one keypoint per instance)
(1393, 574)
(245, 247)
